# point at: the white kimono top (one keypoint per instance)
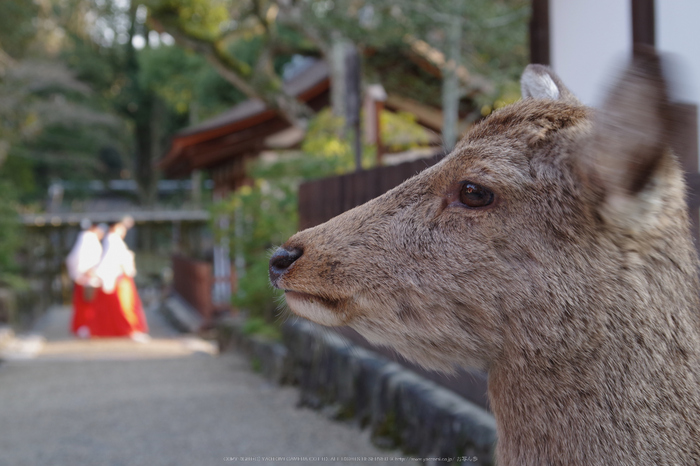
(85, 255)
(117, 260)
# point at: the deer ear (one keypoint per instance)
(632, 132)
(540, 82)
(630, 158)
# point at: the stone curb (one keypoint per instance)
(181, 314)
(269, 357)
(401, 409)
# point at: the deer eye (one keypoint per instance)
(473, 195)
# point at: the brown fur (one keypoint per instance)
(576, 289)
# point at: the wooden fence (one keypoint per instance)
(193, 281)
(321, 200)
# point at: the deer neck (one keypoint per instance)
(615, 400)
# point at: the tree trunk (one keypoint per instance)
(260, 84)
(450, 85)
(147, 113)
(143, 166)
(337, 70)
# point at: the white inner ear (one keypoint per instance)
(538, 85)
(635, 213)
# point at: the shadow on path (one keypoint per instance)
(51, 339)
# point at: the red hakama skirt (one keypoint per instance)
(119, 313)
(83, 309)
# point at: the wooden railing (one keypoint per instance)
(193, 280)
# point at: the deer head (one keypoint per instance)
(533, 213)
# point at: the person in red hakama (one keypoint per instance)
(118, 308)
(81, 264)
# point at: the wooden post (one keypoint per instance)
(353, 102)
(222, 264)
(375, 96)
(197, 188)
(338, 73)
(176, 235)
(450, 85)
(643, 23)
(539, 32)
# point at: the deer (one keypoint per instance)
(552, 249)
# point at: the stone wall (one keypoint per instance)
(401, 409)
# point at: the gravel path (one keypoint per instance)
(171, 401)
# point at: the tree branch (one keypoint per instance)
(258, 83)
(291, 15)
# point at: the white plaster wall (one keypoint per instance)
(678, 33)
(589, 40)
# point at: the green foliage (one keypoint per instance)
(400, 132)
(17, 26)
(266, 215)
(20, 172)
(204, 19)
(213, 94)
(170, 72)
(327, 153)
(404, 77)
(155, 89)
(407, 44)
(10, 235)
(52, 127)
(186, 82)
(509, 93)
(493, 32)
(258, 326)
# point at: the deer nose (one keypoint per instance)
(281, 260)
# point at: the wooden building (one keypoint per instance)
(223, 144)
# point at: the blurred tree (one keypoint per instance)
(156, 88)
(478, 47)
(137, 75)
(186, 82)
(51, 124)
(243, 41)
(17, 26)
(49, 129)
(167, 88)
